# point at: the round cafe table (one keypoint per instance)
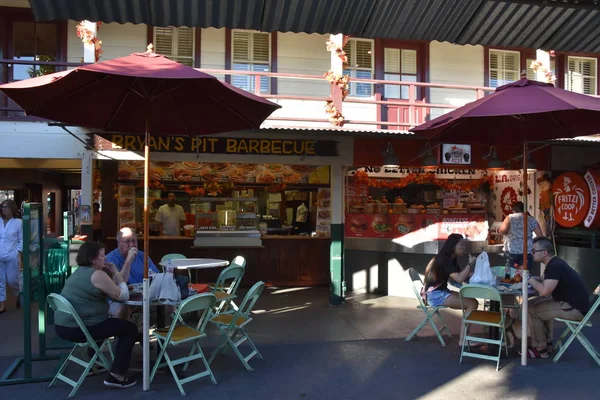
(197, 263)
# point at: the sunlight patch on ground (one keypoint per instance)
(289, 290)
(283, 309)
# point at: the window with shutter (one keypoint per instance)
(251, 52)
(360, 65)
(399, 65)
(504, 67)
(531, 74)
(581, 75)
(176, 44)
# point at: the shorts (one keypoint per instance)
(436, 298)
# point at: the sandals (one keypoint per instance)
(534, 353)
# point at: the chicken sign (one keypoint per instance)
(571, 199)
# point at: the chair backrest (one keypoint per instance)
(480, 292)
(595, 303)
(499, 271)
(203, 302)
(172, 256)
(59, 303)
(239, 261)
(229, 279)
(250, 299)
(417, 284)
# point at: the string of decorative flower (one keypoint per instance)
(538, 65)
(87, 37)
(337, 49)
(446, 184)
(97, 184)
(341, 81)
(335, 116)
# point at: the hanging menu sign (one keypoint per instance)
(222, 145)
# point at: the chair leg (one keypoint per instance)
(589, 347)
(500, 349)
(564, 346)
(172, 368)
(444, 325)
(462, 349)
(251, 344)
(206, 365)
(161, 354)
(417, 329)
(435, 329)
(63, 366)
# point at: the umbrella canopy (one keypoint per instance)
(125, 93)
(516, 113)
(521, 110)
(141, 93)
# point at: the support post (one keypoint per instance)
(544, 58)
(89, 49)
(87, 172)
(337, 67)
(336, 264)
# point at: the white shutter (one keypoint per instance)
(260, 48)
(364, 54)
(581, 75)
(163, 41)
(409, 62)
(241, 46)
(391, 62)
(504, 67)
(185, 42)
(348, 51)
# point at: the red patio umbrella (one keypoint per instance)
(516, 113)
(144, 93)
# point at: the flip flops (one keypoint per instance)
(534, 353)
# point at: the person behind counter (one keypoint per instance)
(444, 266)
(512, 228)
(88, 289)
(170, 217)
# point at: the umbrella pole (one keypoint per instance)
(525, 307)
(146, 284)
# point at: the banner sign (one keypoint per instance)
(571, 199)
(456, 154)
(440, 173)
(592, 220)
(226, 145)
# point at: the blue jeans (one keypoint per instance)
(436, 298)
(518, 259)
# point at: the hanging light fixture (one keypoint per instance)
(429, 161)
(494, 163)
(390, 160)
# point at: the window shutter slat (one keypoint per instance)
(392, 61)
(348, 51)
(409, 62)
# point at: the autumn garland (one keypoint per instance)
(87, 37)
(537, 65)
(363, 177)
(341, 81)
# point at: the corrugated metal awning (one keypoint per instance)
(560, 25)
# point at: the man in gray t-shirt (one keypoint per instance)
(171, 217)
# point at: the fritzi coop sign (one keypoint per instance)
(227, 145)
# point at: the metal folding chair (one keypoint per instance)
(575, 328)
(180, 333)
(429, 311)
(59, 303)
(227, 284)
(233, 323)
(482, 318)
(172, 256)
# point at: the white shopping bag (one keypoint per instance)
(483, 273)
(164, 289)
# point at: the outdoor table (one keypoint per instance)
(197, 263)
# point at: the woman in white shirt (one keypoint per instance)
(11, 249)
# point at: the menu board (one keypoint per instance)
(126, 206)
(32, 250)
(190, 171)
(426, 226)
(324, 212)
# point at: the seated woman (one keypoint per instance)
(444, 266)
(88, 290)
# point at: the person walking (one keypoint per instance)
(11, 251)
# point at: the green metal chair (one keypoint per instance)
(172, 256)
(575, 328)
(180, 333)
(429, 311)
(233, 323)
(227, 284)
(59, 303)
(482, 318)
